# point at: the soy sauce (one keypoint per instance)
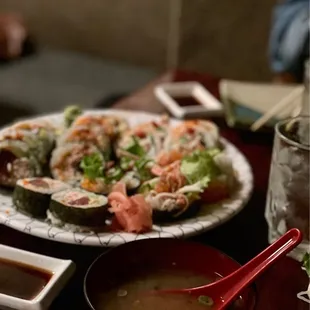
(186, 101)
(21, 280)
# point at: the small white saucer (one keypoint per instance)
(61, 271)
(208, 105)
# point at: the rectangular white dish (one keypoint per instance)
(61, 271)
(208, 105)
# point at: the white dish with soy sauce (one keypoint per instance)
(29, 280)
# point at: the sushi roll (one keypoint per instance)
(65, 161)
(13, 168)
(205, 176)
(98, 130)
(162, 194)
(187, 137)
(40, 136)
(143, 139)
(110, 125)
(86, 134)
(25, 150)
(168, 207)
(17, 162)
(32, 195)
(132, 181)
(78, 207)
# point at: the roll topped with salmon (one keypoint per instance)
(135, 153)
(150, 136)
(113, 126)
(87, 135)
(66, 160)
(187, 137)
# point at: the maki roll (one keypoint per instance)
(89, 135)
(24, 150)
(162, 193)
(40, 135)
(198, 133)
(78, 207)
(111, 126)
(65, 161)
(204, 176)
(168, 207)
(16, 162)
(148, 136)
(32, 195)
(187, 137)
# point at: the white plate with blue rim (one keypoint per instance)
(209, 216)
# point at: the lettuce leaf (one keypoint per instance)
(199, 168)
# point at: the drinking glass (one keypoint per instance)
(288, 193)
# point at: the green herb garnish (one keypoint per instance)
(306, 263)
(142, 169)
(135, 148)
(92, 166)
(140, 164)
(206, 300)
(71, 113)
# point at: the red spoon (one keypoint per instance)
(224, 291)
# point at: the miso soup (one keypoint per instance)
(133, 292)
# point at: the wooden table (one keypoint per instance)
(242, 238)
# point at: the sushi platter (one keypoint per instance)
(107, 177)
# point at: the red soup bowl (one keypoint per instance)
(139, 261)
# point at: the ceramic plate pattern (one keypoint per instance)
(208, 218)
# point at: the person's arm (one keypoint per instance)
(12, 36)
(289, 39)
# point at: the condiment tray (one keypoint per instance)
(59, 270)
(198, 103)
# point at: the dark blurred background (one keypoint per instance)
(94, 52)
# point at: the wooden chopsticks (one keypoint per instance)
(280, 106)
